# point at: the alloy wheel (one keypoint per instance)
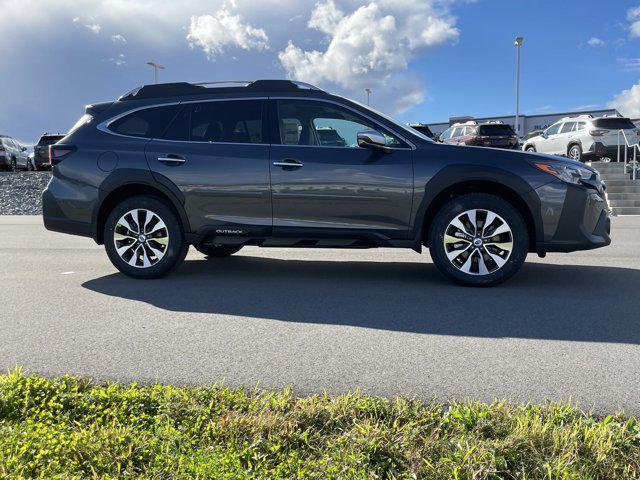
(141, 238)
(574, 153)
(478, 242)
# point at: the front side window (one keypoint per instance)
(446, 134)
(553, 129)
(229, 121)
(145, 123)
(313, 123)
(568, 127)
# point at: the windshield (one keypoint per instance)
(613, 123)
(400, 126)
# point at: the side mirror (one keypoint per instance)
(24, 149)
(372, 139)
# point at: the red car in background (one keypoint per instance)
(490, 134)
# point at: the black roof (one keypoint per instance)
(183, 88)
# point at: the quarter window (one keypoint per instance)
(303, 122)
(146, 123)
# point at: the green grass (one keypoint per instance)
(72, 428)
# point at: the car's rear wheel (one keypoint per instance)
(478, 240)
(575, 152)
(530, 148)
(14, 165)
(143, 237)
(217, 251)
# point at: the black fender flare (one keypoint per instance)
(135, 176)
(453, 175)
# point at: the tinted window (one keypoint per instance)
(553, 129)
(147, 123)
(233, 121)
(304, 122)
(568, 127)
(613, 123)
(50, 139)
(496, 129)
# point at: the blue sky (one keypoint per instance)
(425, 60)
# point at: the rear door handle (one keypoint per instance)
(172, 158)
(288, 163)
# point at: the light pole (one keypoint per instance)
(156, 67)
(368, 90)
(518, 44)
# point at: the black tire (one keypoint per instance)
(218, 251)
(14, 165)
(174, 252)
(530, 148)
(30, 167)
(519, 236)
(575, 152)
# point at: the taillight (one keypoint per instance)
(57, 153)
(598, 133)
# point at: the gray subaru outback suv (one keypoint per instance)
(275, 163)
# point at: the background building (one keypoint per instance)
(527, 122)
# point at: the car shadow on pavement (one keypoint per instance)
(544, 301)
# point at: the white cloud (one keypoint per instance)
(118, 60)
(214, 33)
(627, 102)
(595, 42)
(371, 47)
(118, 38)
(94, 27)
(633, 15)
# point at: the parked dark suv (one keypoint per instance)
(283, 164)
(41, 150)
(490, 134)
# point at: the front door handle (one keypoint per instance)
(172, 158)
(288, 163)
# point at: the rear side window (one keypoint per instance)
(146, 123)
(230, 121)
(496, 129)
(581, 126)
(613, 123)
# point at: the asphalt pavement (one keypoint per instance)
(385, 321)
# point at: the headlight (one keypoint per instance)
(566, 173)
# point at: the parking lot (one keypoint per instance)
(382, 320)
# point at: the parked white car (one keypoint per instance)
(12, 154)
(584, 138)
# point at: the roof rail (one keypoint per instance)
(184, 88)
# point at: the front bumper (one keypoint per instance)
(575, 218)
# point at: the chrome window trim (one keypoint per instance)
(104, 125)
(326, 100)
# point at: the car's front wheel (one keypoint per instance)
(478, 240)
(218, 251)
(530, 148)
(143, 237)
